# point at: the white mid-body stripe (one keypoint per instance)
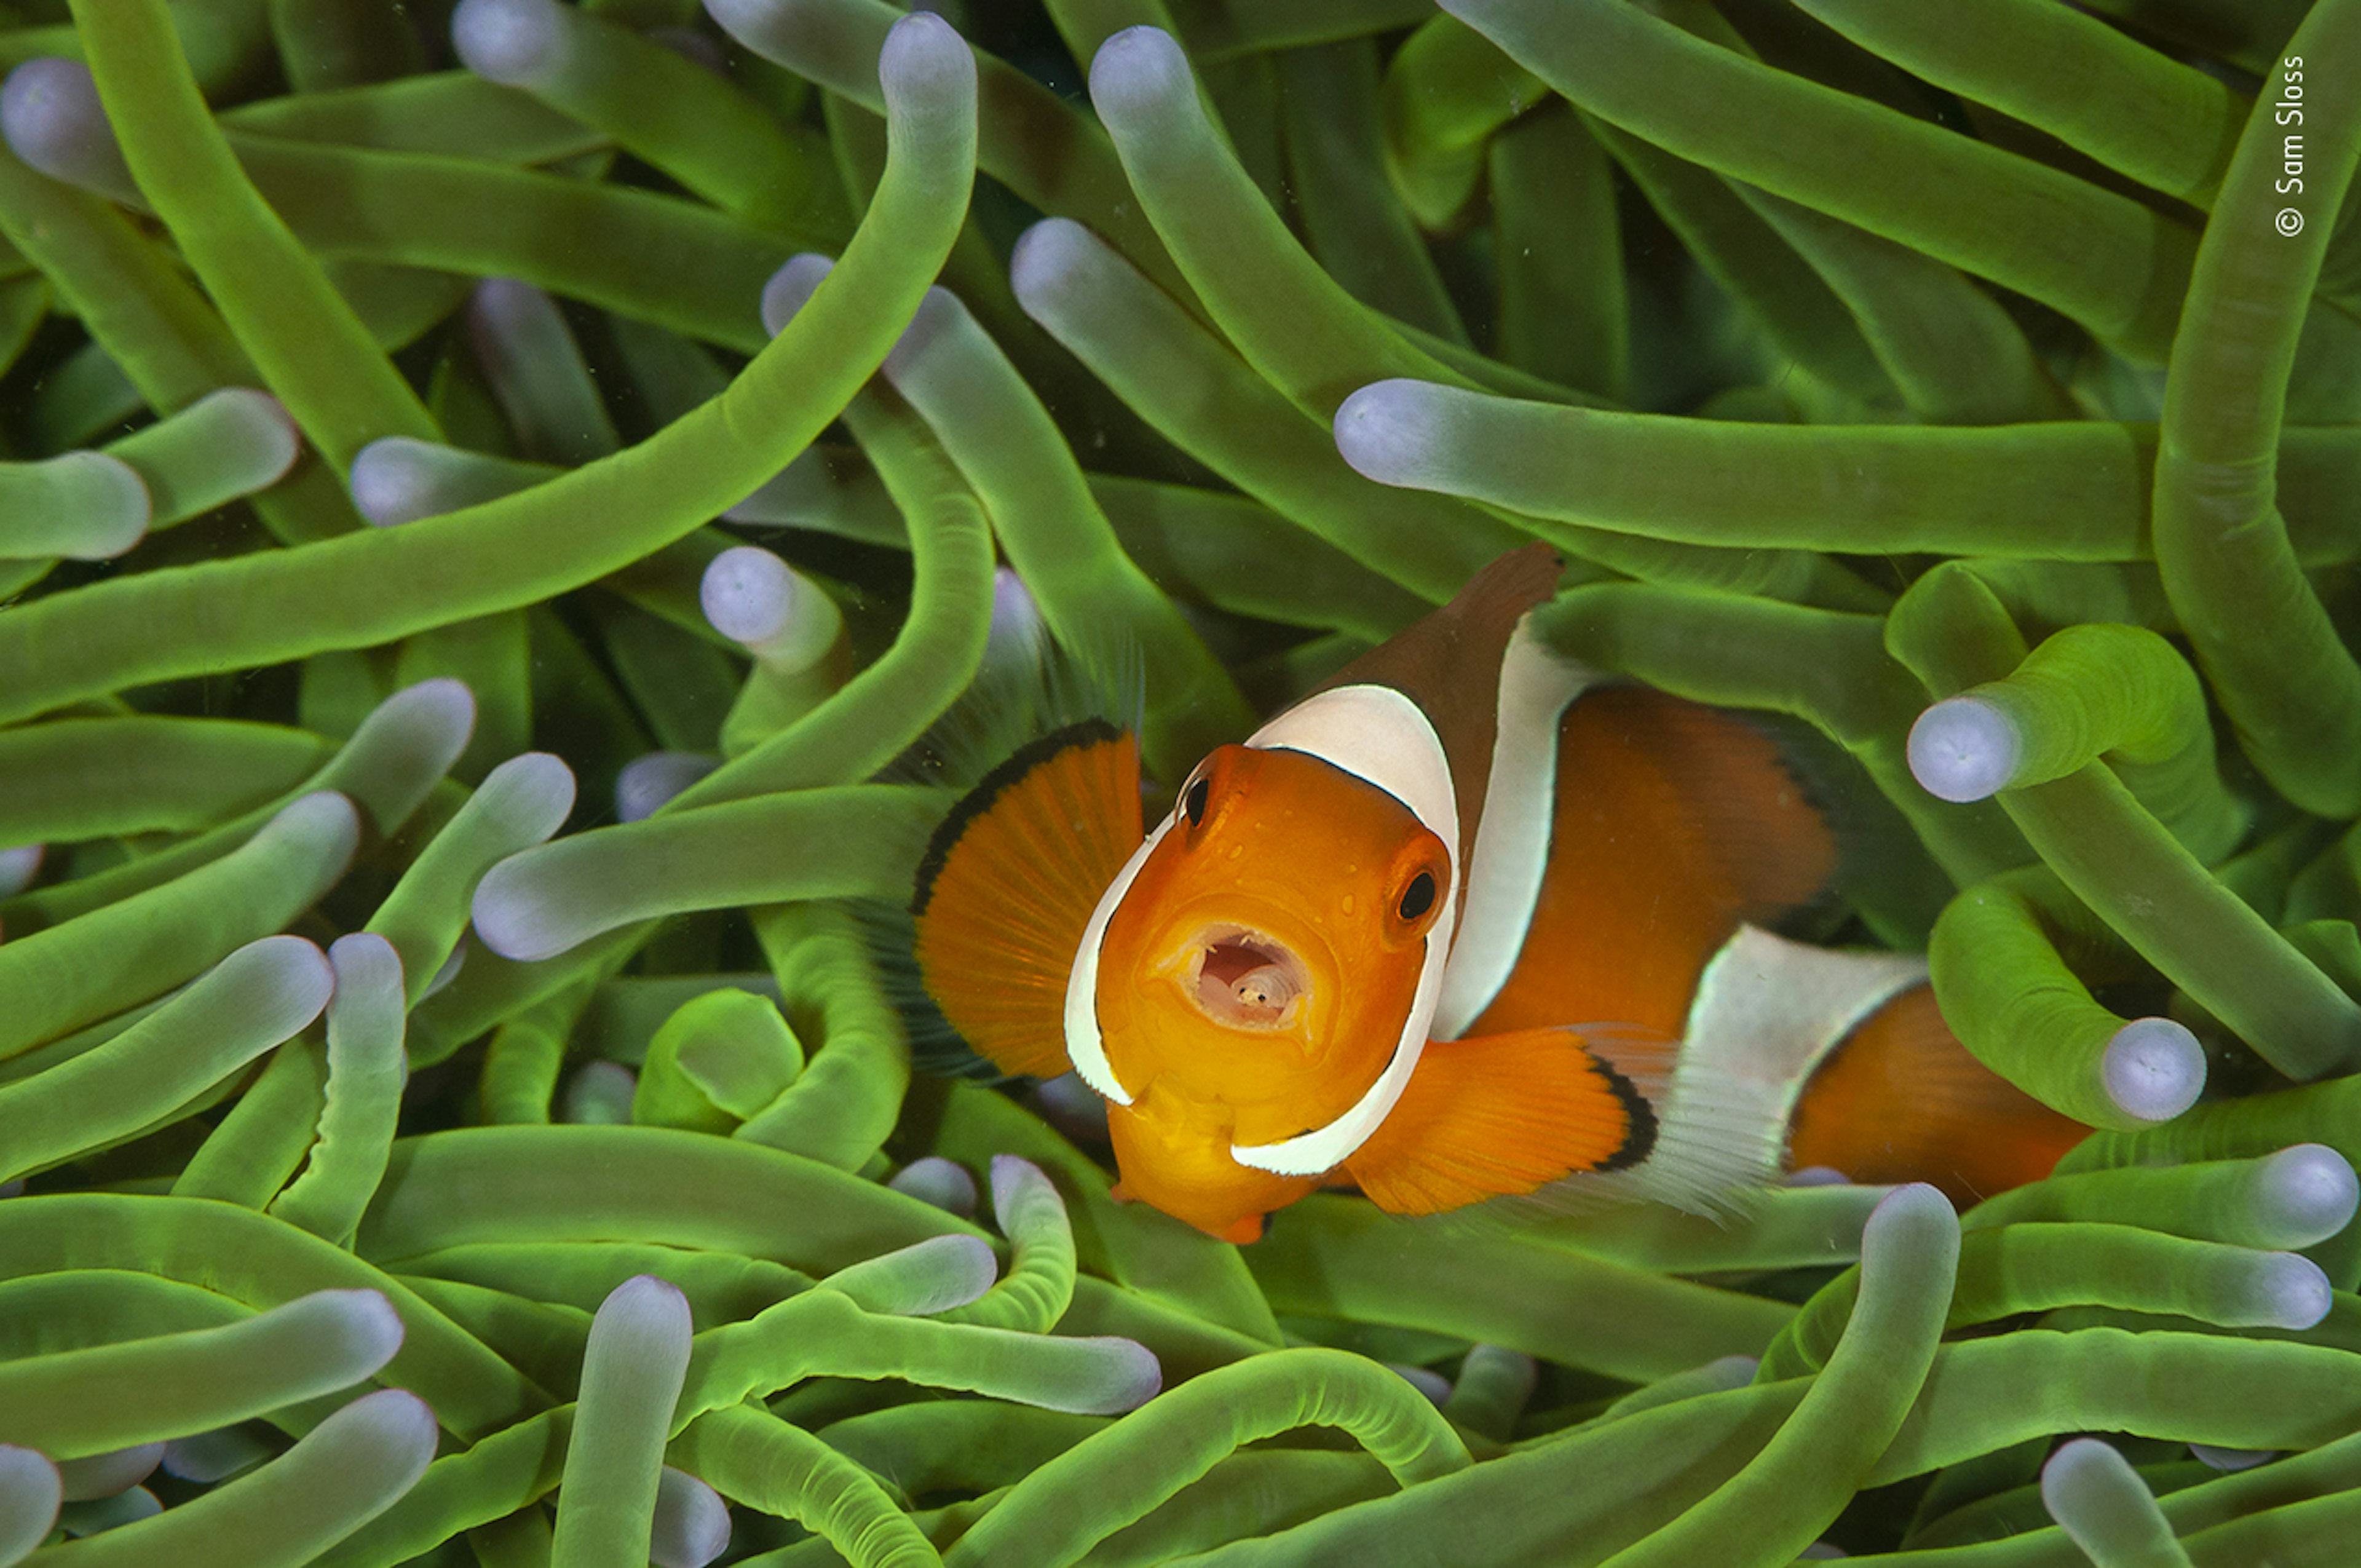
(1378, 735)
(1767, 1013)
(1510, 854)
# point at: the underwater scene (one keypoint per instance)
(1245, 783)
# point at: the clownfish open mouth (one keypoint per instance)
(1245, 980)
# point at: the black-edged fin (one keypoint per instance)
(1009, 882)
(1499, 1114)
(1767, 1012)
(1706, 1154)
(1449, 664)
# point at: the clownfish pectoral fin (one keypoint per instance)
(1008, 884)
(1504, 1114)
(1901, 1099)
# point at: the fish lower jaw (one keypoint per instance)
(1244, 978)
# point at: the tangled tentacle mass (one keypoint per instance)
(496, 497)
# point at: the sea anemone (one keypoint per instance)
(498, 500)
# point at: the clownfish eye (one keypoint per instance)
(1192, 802)
(1419, 896)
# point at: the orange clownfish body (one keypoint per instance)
(1464, 922)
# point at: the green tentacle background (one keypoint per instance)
(367, 419)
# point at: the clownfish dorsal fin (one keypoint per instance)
(1498, 1115)
(1449, 665)
(1008, 883)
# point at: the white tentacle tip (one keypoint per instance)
(50, 117)
(517, 43)
(1046, 260)
(649, 1305)
(1074, 1107)
(939, 312)
(790, 289)
(1433, 1384)
(290, 977)
(107, 501)
(1130, 1377)
(2288, 1291)
(443, 709)
(926, 67)
(935, 1181)
(2230, 1460)
(2153, 1069)
(921, 1280)
(393, 480)
(513, 917)
(1914, 1221)
(968, 1267)
(265, 421)
(104, 1475)
(19, 866)
(1392, 432)
(692, 1522)
(1728, 1372)
(1016, 1180)
(30, 1495)
(2103, 1505)
(360, 1324)
(395, 1425)
(532, 794)
(324, 820)
(365, 961)
(2306, 1193)
(1136, 73)
(1964, 749)
(645, 783)
(599, 1095)
(749, 594)
(1816, 1176)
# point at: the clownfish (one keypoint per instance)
(1467, 921)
